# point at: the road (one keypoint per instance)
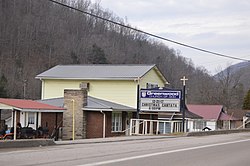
(221, 150)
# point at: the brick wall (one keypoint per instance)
(74, 101)
(18, 117)
(95, 124)
(51, 119)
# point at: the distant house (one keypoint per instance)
(213, 117)
(103, 97)
(239, 115)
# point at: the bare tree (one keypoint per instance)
(229, 88)
(37, 35)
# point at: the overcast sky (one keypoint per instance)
(221, 26)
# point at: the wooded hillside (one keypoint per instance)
(36, 35)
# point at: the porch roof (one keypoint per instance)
(28, 105)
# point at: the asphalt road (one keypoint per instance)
(221, 150)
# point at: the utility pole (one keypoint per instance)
(184, 79)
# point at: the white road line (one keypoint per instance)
(161, 153)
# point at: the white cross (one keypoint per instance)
(184, 79)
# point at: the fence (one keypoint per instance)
(154, 127)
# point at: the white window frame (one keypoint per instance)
(31, 118)
(116, 121)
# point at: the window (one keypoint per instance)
(117, 121)
(31, 118)
(151, 86)
(199, 124)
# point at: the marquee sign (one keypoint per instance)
(160, 100)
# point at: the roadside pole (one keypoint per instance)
(184, 79)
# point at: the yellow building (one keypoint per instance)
(115, 83)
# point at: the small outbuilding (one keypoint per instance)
(30, 113)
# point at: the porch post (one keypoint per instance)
(37, 116)
(131, 127)
(14, 124)
(157, 128)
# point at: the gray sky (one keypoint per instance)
(221, 26)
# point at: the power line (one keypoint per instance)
(150, 34)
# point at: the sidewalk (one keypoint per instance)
(113, 139)
(22, 143)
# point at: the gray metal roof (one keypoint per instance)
(104, 71)
(58, 102)
(92, 104)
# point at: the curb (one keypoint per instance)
(26, 143)
(107, 140)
